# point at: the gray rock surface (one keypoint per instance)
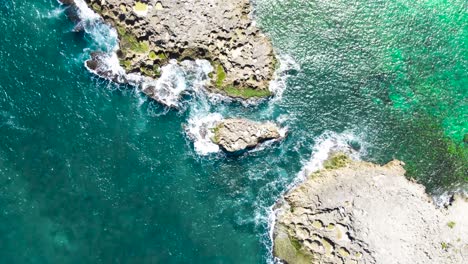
(359, 212)
(152, 32)
(234, 135)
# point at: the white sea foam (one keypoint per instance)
(326, 144)
(197, 74)
(104, 36)
(199, 129)
(169, 87)
(444, 199)
(176, 80)
(278, 84)
(86, 13)
(54, 13)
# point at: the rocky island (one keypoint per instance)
(234, 135)
(153, 32)
(359, 212)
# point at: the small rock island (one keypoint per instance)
(221, 31)
(234, 135)
(359, 212)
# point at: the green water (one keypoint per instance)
(94, 173)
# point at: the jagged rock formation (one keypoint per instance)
(359, 212)
(152, 32)
(235, 135)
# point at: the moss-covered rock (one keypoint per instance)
(289, 249)
(231, 90)
(129, 43)
(336, 161)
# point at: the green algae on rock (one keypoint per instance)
(221, 32)
(290, 249)
(336, 161)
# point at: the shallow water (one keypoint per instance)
(91, 172)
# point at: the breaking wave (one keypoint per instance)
(199, 130)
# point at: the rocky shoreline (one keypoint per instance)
(359, 212)
(151, 33)
(348, 212)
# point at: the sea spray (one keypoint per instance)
(287, 64)
(200, 130)
(328, 143)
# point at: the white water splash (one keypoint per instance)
(109, 63)
(278, 84)
(201, 121)
(444, 199)
(54, 13)
(199, 129)
(168, 88)
(86, 13)
(102, 35)
(328, 143)
(176, 80)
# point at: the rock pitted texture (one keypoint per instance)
(152, 32)
(358, 212)
(240, 134)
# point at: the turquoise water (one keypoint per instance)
(91, 172)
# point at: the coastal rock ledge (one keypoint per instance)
(152, 32)
(234, 135)
(359, 212)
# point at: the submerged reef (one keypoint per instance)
(359, 212)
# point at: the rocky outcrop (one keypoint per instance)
(153, 32)
(98, 64)
(359, 212)
(234, 135)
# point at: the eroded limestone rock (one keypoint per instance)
(359, 212)
(221, 31)
(240, 134)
